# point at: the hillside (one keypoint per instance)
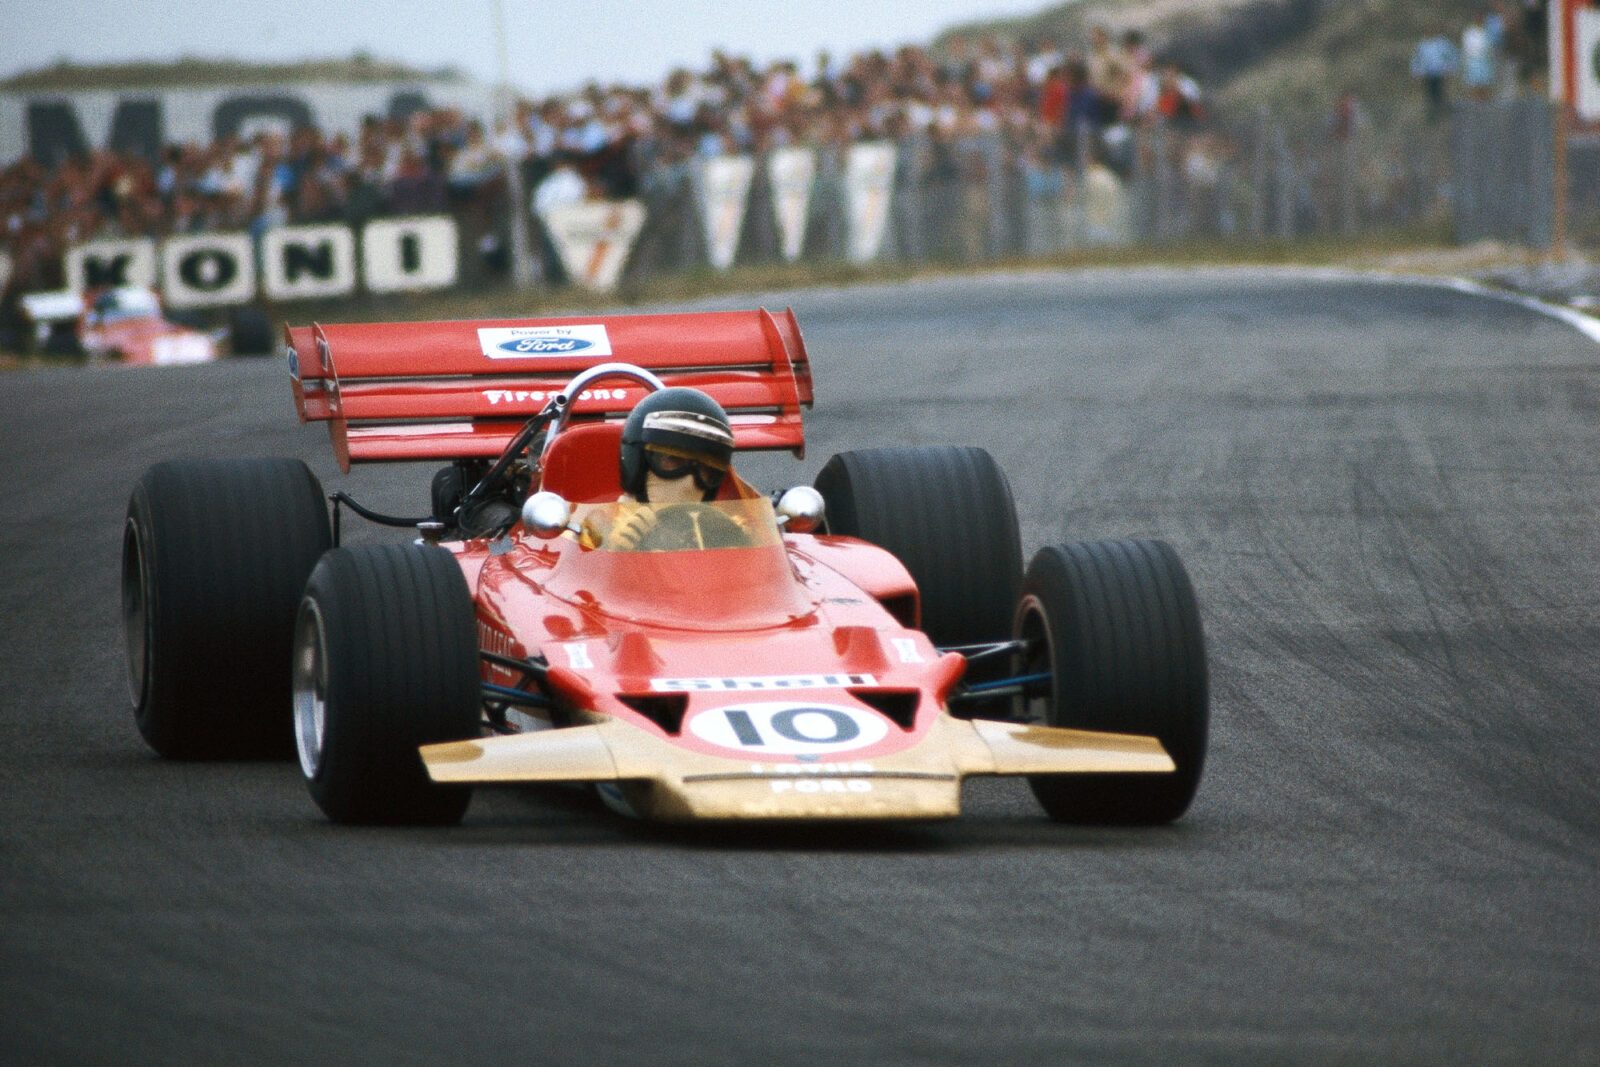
(196, 72)
(1291, 57)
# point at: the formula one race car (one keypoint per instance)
(849, 650)
(129, 325)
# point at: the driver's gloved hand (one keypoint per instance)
(627, 534)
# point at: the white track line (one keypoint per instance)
(1587, 325)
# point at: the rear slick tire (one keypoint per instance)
(1117, 626)
(385, 660)
(946, 513)
(215, 555)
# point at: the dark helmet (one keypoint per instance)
(681, 422)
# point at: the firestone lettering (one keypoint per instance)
(536, 396)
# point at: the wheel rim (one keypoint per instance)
(135, 612)
(1039, 658)
(310, 687)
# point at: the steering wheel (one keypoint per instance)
(681, 527)
(568, 396)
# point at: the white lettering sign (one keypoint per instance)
(724, 186)
(404, 255)
(209, 270)
(594, 238)
(531, 342)
(791, 172)
(869, 181)
(1588, 59)
(101, 264)
(298, 262)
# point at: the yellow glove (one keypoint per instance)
(626, 535)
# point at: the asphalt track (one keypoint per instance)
(1387, 496)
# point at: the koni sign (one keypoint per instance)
(291, 263)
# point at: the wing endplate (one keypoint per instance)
(1021, 749)
(573, 754)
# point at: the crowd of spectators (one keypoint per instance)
(1503, 47)
(1053, 104)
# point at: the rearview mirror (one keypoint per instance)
(800, 509)
(546, 515)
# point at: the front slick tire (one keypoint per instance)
(385, 660)
(215, 554)
(1117, 626)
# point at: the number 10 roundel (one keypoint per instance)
(789, 728)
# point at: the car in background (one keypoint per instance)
(128, 324)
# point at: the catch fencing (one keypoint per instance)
(1485, 171)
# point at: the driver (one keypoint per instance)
(677, 448)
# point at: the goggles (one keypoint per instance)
(672, 464)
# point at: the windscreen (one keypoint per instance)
(625, 526)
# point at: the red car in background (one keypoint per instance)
(128, 324)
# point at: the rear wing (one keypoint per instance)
(461, 390)
(59, 305)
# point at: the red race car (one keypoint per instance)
(597, 597)
(128, 324)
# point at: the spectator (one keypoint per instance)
(1178, 96)
(1032, 109)
(472, 166)
(1535, 38)
(1053, 96)
(1348, 118)
(1434, 61)
(1479, 56)
(1082, 119)
(563, 186)
(1139, 88)
(1108, 75)
(416, 188)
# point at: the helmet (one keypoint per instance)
(676, 422)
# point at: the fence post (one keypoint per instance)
(1347, 182)
(1084, 146)
(907, 201)
(1541, 164)
(1258, 182)
(825, 233)
(1466, 184)
(758, 233)
(1286, 183)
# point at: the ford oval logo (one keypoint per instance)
(539, 346)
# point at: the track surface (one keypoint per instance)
(1387, 496)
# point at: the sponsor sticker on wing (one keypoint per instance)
(535, 342)
(788, 728)
(761, 683)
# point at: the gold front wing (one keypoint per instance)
(664, 781)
